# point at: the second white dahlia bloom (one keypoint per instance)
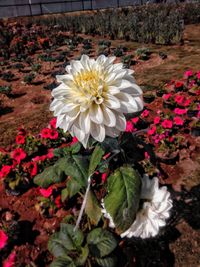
(154, 212)
(93, 97)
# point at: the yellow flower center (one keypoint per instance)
(90, 86)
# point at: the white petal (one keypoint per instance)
(108, 117)
(98, 132)
(112, 102)
(84, 121)
(96, 114)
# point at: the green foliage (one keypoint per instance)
(71, 248)
(123, 205)
(95, 159)
(29, 78)
(92, 208)
(6, 89)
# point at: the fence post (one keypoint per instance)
(83, 4)
(91, 4)
(29, 3)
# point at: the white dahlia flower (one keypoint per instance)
(93, 97)
(153, 214)
(154, 211)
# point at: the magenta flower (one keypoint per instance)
(145, 113)
(129, 127)
(156, 120)
(198, 75)
(178, 121)
(179, 99)
(166, 96)
(167, 124)
(152, 130)
(46, 192)
(3, 239)
(180, 111)
(188, 73)
(135, 120)
(10, 261)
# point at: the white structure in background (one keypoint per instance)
(15, 8)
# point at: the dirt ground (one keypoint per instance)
(179, 245)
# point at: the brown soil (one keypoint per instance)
(29, 106)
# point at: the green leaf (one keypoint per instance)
(101, 242)
(65, 240)
(95, 159)
(64, 261)
(76, 167)
(52, 174)
(80, 261)
(92, 208)
(64, 194)
(123, 197)
(73, 187)
(106, 262)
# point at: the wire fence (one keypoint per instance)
(16, 8)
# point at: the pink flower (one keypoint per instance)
(178, 121)
(10, 260)
(179, 99)
(156, 120)
(53, 134)
(104, 177)
(167, 124)
(50, 153)
(198, 75)
(53, 123)
(33, 168)
(45, 133)
(135, 120)
(152, 130)
(3, 239)
(146, 155)
(180, 111)
(20, 139)
(18, 154)
(74, 140)
(166, 96)
(5, 170)
(145, 113)
(188, 73)
(46, 192)
(129, 126)
(186, 102)
(106, 156)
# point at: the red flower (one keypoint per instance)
(32, 168)
(179, 84)
(167, 124)
(104, 177)
(188, 73)
(53, 134)
(18, 154)
(3, 239)
(5, 170)
(178, 121)
(20, 139)
(198, 75)
(45, 133)
(187, 103)
(156, 120)
(46, 192)
(179, 99)
(166, 96)
(145, 113)
(74, 140)
(10, 260)
(180, 111)
(152, 130)
(146, 155)
(21, 131)
(58, 201)
(53, 122)
(50, 153)
(135, 120)
(129, 127)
